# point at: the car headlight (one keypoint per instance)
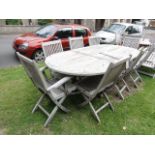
(23, 46)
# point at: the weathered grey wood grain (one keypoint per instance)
(88, 61)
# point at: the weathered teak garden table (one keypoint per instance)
(88, 61)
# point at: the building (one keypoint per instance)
(93, 24)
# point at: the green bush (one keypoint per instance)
(44, 21)
(13, 21)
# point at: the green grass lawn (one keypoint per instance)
(135, 115)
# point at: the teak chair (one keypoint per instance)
(126, 73)
(54, 89)
(91, 86)
(132, 72)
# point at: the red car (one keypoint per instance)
(29, 44)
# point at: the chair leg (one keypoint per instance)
(55, 109)
(133, 80)
(59, 104)
(138, 75)
(85, 102)
(138, 78)
(110, 104)
(51, 115)
(96, 111)
(126, 85)
(38, 103)
(119, 91)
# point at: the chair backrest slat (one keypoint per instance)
(112, 74)
(151, 58)
(52, 47)
(93, 40)
(76, 42)
(146, 56)
(33, 72)
(131, 41)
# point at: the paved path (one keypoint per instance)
(7, 55)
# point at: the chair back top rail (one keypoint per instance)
(52, 47)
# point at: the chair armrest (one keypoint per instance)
(59, 83)
(43, 68)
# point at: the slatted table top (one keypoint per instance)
(88, 61)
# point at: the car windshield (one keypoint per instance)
(46, 31)
(115, 28)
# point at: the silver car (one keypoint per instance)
(115, 32)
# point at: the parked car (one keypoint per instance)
(144, 22)
(29, 44)
(114, 33)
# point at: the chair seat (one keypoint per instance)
(89, 85)
(70, 87)
(57, 93)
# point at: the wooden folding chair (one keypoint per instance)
(93, 40)
(76, 42)
(91, 86)
(122, 85)
(132, 72)
(54, 89)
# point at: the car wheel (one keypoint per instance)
(38, 56)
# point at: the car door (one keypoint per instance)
(64, 34)
(82, 32)
(134, 30)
